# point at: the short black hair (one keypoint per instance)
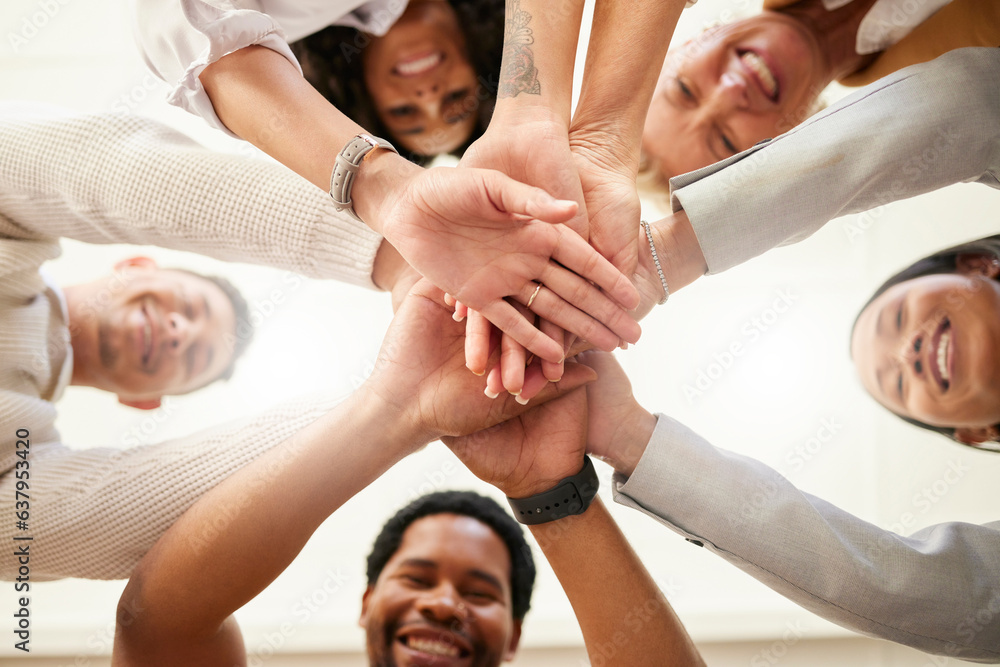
(331, 62)
(942, 261)
(464, 503)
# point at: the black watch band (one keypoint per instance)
(570, 496)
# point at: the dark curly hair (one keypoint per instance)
(331, 62)
(464, 503)
(942, 261)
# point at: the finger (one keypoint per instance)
(516, 198)
(449, 300)
(477, 342)
(508, 320)
(461, 311)
(586, 297)
(512, 360)
(552, 307)
(580, 257)
(494, 382)
(553, 370)
(534, 381)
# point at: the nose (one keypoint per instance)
(442, 604)
(428, 88)
(179, 331)
(910, 353)
(731, 92)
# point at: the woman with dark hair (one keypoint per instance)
(927, 344)
(338, 63)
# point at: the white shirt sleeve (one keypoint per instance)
(178, 39)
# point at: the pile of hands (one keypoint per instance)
(530, 254)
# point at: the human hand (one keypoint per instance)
(531, 453)
(482, 237)
(421, 379)
(512, 373)
(531, 145)
(610, 196)
(618, 427)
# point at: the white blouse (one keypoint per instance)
(180, 38)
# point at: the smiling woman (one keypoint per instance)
(737, 84)
(927, 344)
(420, 83)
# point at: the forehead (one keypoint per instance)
(457, 543)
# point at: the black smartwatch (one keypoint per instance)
(571, 496)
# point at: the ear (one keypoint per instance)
(515, 639)
(974, 435)
(147, 404)
(977, 263)
(363, 619)
(139, 261)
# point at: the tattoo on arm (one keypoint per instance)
(518, 73)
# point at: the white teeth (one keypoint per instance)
(432, 646)
(763, 72)
(942, 355)
(418, 66)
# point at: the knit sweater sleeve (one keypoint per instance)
(126, 179)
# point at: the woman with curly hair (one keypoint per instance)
(351, 70)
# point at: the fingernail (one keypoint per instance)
(490, 394)
(522, 401)
(458, 318)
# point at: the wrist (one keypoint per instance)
(629, 444)
(378, 183)
(527, 110)
(609, 142)
(547, 501)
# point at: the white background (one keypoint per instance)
(771, 400)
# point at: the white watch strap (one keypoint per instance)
(346, 167)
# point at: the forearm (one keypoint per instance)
(108, 178)
(628, 43)
(920, 129)
(536, 73)
(261, 97)
(615, 599)
(271, 508)
(920, 590)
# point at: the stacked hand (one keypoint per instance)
(538, 150)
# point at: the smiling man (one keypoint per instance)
(449, 583)
(146, 332)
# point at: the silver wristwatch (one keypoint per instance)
(346, 168)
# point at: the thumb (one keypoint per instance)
(516, 198)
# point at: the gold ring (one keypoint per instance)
(533, 295)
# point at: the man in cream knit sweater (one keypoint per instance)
(143, 331)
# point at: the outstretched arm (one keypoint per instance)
(917, 130)
(419, 391)
(936, 590)
(615, 599)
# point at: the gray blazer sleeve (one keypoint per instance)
(937, 590)
(915, 131)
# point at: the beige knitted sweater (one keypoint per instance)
(122, 179)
